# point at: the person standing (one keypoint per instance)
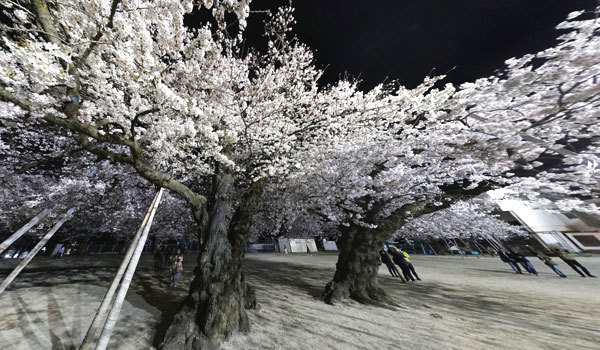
(570, 260)
(410, 265)
(385, 258)
(60, 253)
(176, 269)
(399, 259)
(504, 257)
(158, 259)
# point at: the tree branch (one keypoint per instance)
(399, 216)
(7, 96)
(33, 165)
(99, 34)
(45, 20)
(136, 159)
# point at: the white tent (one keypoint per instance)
(297, 245)
(329, 245)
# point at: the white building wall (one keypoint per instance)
(552, 227)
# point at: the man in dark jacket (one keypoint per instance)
(385, 258)
(504, 257)
(570, 260)
(521, 259)
(398, 258)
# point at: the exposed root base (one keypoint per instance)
(336, 292)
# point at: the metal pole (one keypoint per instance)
(431, 247)
(118, 303)
(100, 317)
(34, 251)
(20, 232)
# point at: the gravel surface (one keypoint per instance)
(461, 303)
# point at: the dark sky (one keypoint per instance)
(405, 39)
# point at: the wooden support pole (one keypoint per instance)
(100, 317)
(480, 247)
(20, 232)
(433, 250)
(118, 303)
(35, 250)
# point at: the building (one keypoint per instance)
(575, 231)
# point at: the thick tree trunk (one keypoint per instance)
(356, 269)
(218, 297)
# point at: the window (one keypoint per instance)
(588, 240)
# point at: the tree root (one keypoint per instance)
(336, 292)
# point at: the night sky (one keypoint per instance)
(404, 40)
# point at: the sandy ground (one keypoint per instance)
(461, 303)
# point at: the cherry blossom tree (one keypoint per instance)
(131, 84)
(473, 219)
(547, 103)
(187, 111)
(433, 148)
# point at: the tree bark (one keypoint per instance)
(356, 269)
(218, 298)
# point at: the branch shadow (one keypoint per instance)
(56, 322)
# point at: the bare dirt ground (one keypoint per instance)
(461, 303)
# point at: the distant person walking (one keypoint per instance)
(570, 260)
(285, 249)
(60, 253)
(385, 258)
(158, 258)
(399, 259)
(410, 265)
(507, 259)
(176, 269)
(308, 249)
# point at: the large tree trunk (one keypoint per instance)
(356, 269)
(218, 297)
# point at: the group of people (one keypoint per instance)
(402, 259)
(513, 259)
